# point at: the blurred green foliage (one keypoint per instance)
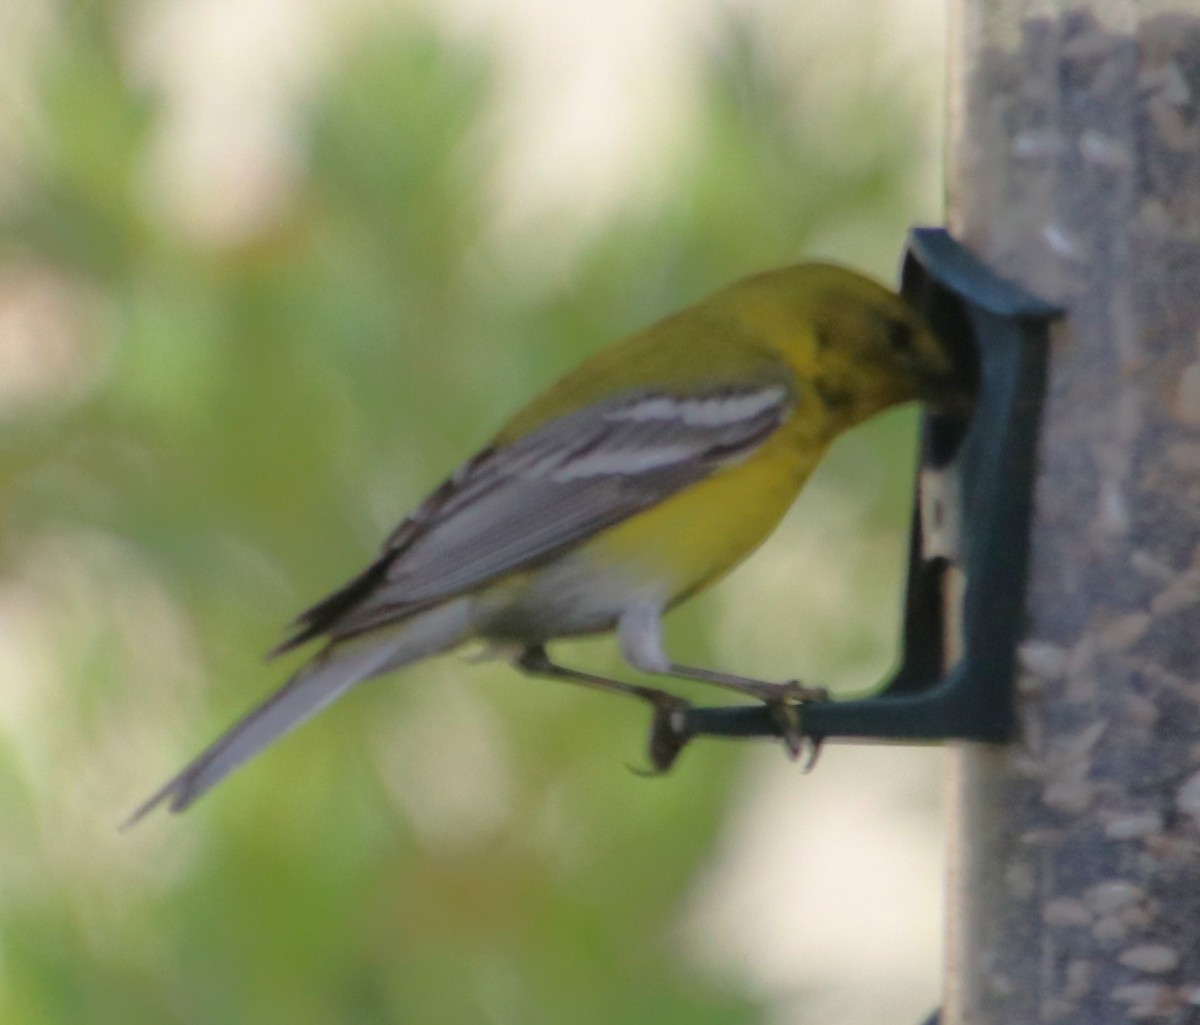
(254, 416)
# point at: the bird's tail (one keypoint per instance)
(334, 671)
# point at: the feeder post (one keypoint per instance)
(1074, 169)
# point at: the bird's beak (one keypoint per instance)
(954, 390)
(954, 394)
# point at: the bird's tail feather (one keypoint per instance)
(334, 671)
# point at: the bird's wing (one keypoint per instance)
(519, 504)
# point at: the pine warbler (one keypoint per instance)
(632, 483)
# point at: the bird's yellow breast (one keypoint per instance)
(694, 537)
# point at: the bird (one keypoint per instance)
(638, 479)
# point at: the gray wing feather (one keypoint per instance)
(515, 506)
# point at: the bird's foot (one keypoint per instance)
(785, 702)
(669, 732)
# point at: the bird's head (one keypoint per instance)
(862, 347)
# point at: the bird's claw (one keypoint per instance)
(785, 708)
(669, 733)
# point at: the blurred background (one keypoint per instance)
(268, 270)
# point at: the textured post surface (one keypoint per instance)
(1075, 169)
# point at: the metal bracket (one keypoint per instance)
(976, 476)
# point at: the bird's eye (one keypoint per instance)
(900, 337)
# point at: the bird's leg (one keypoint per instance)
(639, 630)
(668, 731)
(784, 701)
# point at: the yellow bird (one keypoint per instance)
(635, 481)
